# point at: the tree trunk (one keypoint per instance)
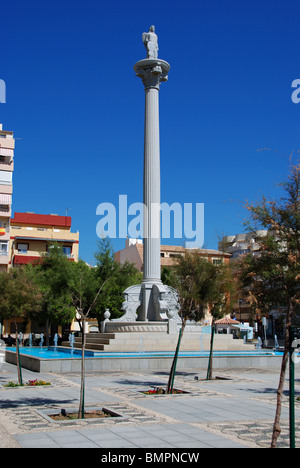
(276, 427)
(174, 363)
(210, 361)
(82, 387)
(47, 333)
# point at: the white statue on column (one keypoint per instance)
(151, 43)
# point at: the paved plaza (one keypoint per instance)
(236, 411)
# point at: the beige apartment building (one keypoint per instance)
(133, 253)
(32, 235)
(7, 146)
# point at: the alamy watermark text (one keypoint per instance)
(175, 221)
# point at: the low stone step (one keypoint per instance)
(93, 340)
(101, 335)
(91, 346)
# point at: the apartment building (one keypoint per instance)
(133, 253)
(32, 235)
(7, 146)
(242, 244)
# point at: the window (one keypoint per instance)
(217, 261)
(3, 248)
(23, 248)
(67, 251)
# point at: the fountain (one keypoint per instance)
(42, 340)
(55, 340)
(276, 343)
(72, 340)
(259, 344)
(30, 340)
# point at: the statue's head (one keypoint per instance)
(152, 29)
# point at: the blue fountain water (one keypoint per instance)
(67, 353)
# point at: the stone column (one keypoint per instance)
(152, 71)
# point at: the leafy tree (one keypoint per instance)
(271, 278)
(200, 285)
(54, 275)
(20, 299)
(93, 290)
(116, 277)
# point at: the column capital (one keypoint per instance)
(152, 72)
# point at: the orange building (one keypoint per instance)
(32, 234)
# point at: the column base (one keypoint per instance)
(150, 302)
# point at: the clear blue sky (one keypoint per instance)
(77, 109)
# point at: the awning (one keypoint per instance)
(70, 241)
(6, 152)
(5, 199)
(24, 260)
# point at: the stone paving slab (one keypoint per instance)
(236, 412)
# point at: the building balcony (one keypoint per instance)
(24, 259)
(5, 211)
(6, 163)
(6, 160)
(7, 166)
(33, 258)
(4, 258)
(6, 236)
(44, 234)
(6, 188)
(7, 140)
